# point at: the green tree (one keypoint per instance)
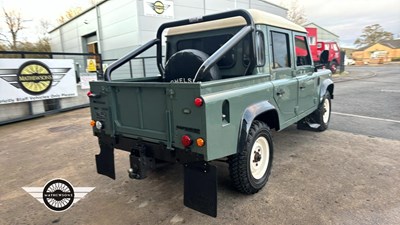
(371, 35)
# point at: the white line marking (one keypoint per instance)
(366, 117)
(391, 91)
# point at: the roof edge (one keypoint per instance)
(259, 17)
(75, 17)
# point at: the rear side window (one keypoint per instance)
(280, 50)
(302, 54)
(260, 50)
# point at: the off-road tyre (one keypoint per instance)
(323, 113)
(249, 169)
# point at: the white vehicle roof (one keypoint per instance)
(259, 17)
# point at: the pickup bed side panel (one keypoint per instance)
(224, 110)
(187, 118)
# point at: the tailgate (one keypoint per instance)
(142, 111)
(151, 111)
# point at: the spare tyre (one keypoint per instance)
(183, 66)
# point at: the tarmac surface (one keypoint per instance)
(332, 177)
(367, 101)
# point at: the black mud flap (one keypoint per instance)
(105, 161)
(200, 187)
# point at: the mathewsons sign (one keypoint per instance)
(158, 8)
(23, 80)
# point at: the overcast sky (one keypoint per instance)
(345, 18)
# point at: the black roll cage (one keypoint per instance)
(213, 59)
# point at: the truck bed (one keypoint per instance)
(162, 113)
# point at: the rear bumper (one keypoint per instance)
(144, 155)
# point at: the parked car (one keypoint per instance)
(349, 61)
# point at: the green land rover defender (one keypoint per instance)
(226, 80)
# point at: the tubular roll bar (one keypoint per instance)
(126, 58)
(212, 60)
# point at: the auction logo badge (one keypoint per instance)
(34, 77)
(58, 195)
(159, 7)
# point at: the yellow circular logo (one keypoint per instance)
(34, 77)
(158, 7)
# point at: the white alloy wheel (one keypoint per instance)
(327, 108)
(259, 157)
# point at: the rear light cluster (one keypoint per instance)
(97, 124)
(187, 141)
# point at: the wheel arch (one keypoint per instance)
(263, 111)
(327, 85)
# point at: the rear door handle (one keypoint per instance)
(302, 87)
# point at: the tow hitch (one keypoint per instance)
(140, 164)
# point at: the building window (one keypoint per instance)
(312, 40)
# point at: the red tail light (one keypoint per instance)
(90, 94)
(198, 102)
(186, 141)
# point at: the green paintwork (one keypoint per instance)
(160, 112)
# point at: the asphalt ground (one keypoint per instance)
(332, 177)
(367, 101)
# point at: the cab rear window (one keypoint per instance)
(209, 45)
